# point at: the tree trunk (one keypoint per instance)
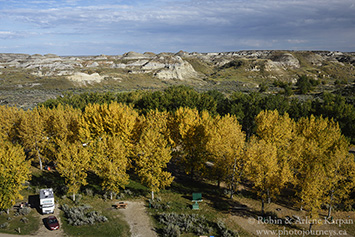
(74, 197)
(232, 182)
(152, 195)
(192, 172)
(310, 226)
(330, 204)
(8, 211)
(262, 206)
(218, 182)
(39, 158)
(111, 194)
(268, 196)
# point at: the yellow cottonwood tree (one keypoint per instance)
(61, 124)
(188, 133)
(110, 162)
(31, 132)
(9, 118)
(313, 190)
(326, 150)
(225, 146)
(262, 168)
(72, 164)
(280, 131)
(14, 171)
(112, 119)
(153, 154)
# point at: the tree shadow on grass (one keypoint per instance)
(49, 179)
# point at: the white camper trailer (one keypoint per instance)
(46, 201)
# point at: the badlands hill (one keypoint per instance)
(26, 79)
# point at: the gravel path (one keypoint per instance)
(137, 217)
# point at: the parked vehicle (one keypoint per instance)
(46, 201)
(52, 223)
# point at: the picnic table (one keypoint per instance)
(121, 205)
(196, 197)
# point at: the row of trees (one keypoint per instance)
(244, 106)
(309, 157)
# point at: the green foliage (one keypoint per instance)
(305, 84)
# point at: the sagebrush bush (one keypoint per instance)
(175, 224)
(24, 211)
(4, 225)
(223, 231)
(171, 231)
(89, 192)
(157, 204)
(80, 215)
(186, 223)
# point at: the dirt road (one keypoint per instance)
(136, 216)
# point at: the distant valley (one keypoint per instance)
(26, 80)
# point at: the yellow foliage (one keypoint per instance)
(152, 154)
(110, 162)
(225, 146)
(31, 132)
(325, 169)
(112, 119)
(9, 117)
(188, 133)
(262, 167)
(280, 131)
(72, 164)
(14, 171)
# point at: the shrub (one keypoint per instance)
(89, 192)
(24, 211)
(4, 225)
(171, 231)
(186, 223)
(223, 231)
(80, 215)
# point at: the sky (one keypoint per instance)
(113, 27)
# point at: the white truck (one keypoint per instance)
(46, 201)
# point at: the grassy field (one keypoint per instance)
(115, 226)
(14, 223)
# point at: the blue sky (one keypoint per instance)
(75, 27)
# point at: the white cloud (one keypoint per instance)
(199, 24)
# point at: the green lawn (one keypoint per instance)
(20, 224)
